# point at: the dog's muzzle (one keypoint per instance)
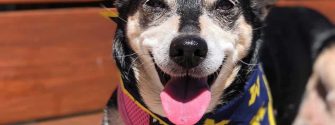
(188, 51)
(186, 98)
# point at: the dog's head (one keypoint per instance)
(183, 54)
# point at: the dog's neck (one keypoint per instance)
(254, 106)
(246, 67)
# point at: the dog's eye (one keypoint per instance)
(224, 5)
(155, 3)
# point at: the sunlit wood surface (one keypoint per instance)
(54, 63)
(44, 1)
(87, 119)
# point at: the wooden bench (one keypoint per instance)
(54, 62)
(44, 1)
(326, 7)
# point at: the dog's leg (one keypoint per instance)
(318, 107)
(111, 117)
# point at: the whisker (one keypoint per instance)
(248, 63)
(149, 64)
(229, 68)
(132, 64)
(131, 55)
(258, 28)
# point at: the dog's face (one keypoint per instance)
(187, 51)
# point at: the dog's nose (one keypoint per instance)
(188, 51)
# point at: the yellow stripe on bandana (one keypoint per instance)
(256, 120)
(212, 122)
(110, 13)
(254, 92)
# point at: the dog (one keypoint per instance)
(204, 61)
(318, 104)
(294, 40)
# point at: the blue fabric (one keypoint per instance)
(251, 107)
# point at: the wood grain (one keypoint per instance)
(90, 119)
(44, 1)
(54, 63)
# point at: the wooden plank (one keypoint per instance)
(91, 119)
(44, 1)
(326, 7)
(54, 63)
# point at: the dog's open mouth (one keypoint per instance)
(185, 99)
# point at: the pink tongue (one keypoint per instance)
(185, 100)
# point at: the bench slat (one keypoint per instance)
(54, 63)
(44, 1)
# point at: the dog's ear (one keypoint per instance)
(126, 7)
(123, 7)
(262, 7)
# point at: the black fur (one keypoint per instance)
(253, 19)
(189, 12)
(153, 10)
(124, 56)
(294, 37)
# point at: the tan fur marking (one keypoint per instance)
(222, 82)
(171, 2)
(133, 28)
(209, 2)
(237, 42)
(245, 37)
